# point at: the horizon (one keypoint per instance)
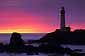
(40, 16)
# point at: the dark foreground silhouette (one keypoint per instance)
(76, 37)
(50, 43)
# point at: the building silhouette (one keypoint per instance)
(62, 20)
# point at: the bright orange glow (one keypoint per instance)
(23, 31)
(27, 29)
(34, 29)
(18, 30)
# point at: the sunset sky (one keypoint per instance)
(40, 16)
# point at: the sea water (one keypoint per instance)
(5, 38)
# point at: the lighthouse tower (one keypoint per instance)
(62, 21)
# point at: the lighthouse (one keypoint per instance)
(62, 20)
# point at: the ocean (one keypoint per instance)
(5, 38)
